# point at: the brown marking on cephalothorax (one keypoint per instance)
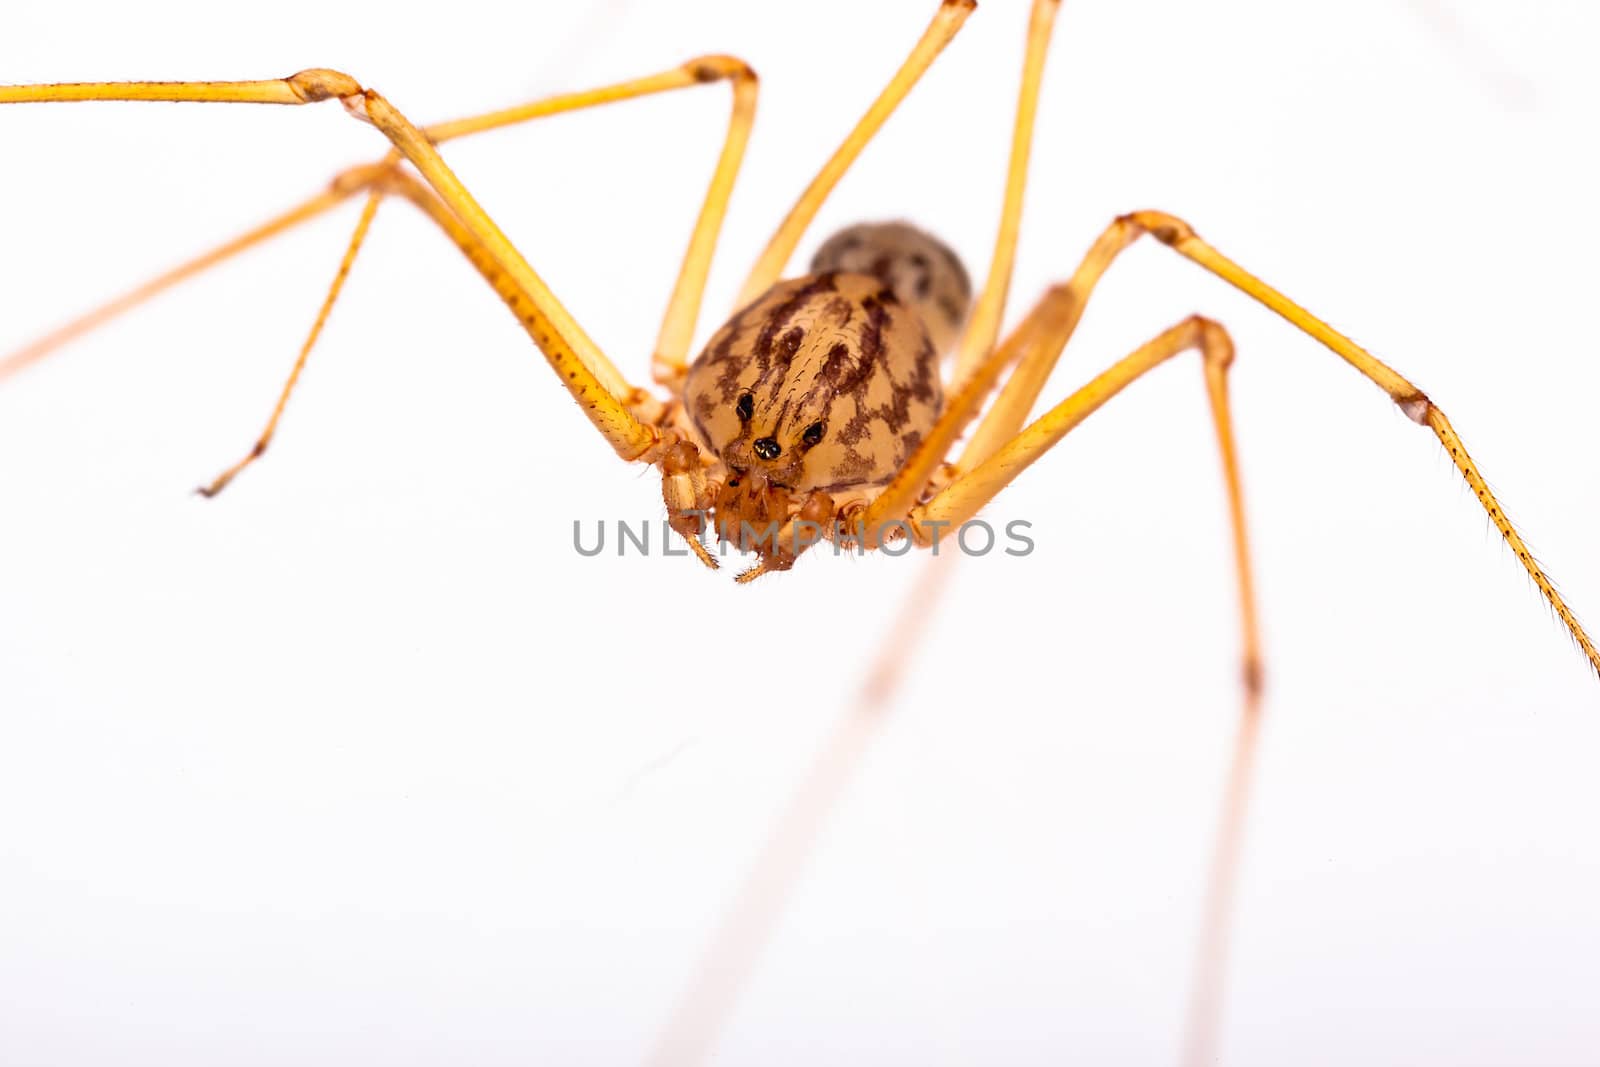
(824, 382)
(855, 466)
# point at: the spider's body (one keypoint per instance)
(827, 383)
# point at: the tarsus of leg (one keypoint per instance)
(683, 309)
(775, 257)
(735, 949)
(983, 328)
(363, 225)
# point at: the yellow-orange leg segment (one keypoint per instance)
(983, 326)
(769, 267)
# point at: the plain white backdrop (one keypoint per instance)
(362, 761)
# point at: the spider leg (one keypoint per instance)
(340, 190)
(983, 326)
(989, 462)
(683, 308)
(971, 490)
(983, 470)
(975, 485)
(363, 224)
(769, 266)
(582, 368)
(1180, 236)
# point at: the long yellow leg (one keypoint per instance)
(946, 22)
(983, 327)
(683, 309)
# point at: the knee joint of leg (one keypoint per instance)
(319, 83)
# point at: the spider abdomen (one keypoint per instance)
(921, 270)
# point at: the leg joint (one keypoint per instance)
(1416, 405)
(1212, 337)
(319, 83)
(717, 67)
(1168, 229)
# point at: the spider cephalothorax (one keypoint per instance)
(825, 384)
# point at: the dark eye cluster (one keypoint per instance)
(768, 447)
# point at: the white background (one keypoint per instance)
(362, 761)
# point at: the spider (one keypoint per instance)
(820, 403)
(819, 408)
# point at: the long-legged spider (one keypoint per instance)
(1021, 390)
(820, 403)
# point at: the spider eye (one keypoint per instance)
(745, 407)
(812, 435)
